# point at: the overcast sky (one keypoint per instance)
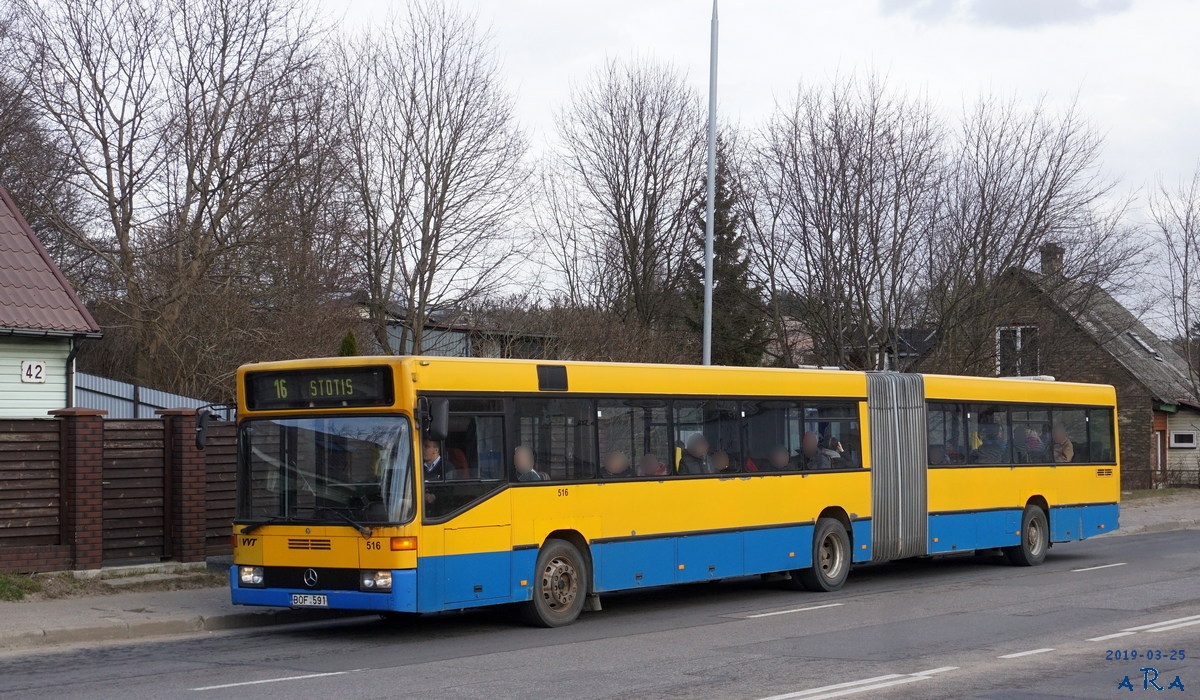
(1129, 63)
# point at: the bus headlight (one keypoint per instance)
(251, 576)
(379, 581)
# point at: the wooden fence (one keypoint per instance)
(78, 491)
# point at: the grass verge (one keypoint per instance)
(15, 587)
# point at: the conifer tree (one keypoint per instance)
(739, 325)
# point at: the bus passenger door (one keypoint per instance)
(899, 466)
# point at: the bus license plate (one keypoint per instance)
(305, 600)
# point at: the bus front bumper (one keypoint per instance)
(402, 598)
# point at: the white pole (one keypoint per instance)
(712, 188)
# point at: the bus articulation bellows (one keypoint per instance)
(421, 484)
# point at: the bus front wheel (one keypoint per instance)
(560, 586)
(830, 558)
(1035, 539)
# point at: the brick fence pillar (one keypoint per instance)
(187, 479)
(83, 486)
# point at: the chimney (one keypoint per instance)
(1052, 259)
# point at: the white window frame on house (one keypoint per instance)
(1183, 440)
(1021, 370)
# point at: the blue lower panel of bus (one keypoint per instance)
(470, 580)
(982, 529)
(687, 558)
(957, 532)
(1069, 523)
(403, 596)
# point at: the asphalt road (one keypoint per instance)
(955, 627)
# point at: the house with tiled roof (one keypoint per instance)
(1076, 331)
(42, 322)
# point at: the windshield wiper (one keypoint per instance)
(362, 529)
(273, 519)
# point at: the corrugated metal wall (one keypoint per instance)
(125, 401)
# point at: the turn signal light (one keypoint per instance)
(404, 544)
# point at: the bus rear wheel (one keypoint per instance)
(830, 558)
(1035, 539)
(560, 586)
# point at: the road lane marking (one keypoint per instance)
(827, 688)
(1163, 626)
(851, 687)
(940, 669)
(1019, 654)
(794, 610)
(276, 680)
(1097, 568)
(1160, 624)
(1168, 628)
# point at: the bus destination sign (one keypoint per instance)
(342, 387)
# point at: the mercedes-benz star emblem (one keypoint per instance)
(310, 577)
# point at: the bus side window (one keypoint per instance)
(946, 426)
(772, 435)
(471, 461)
(561, 433)
(836, 428)
(1100, 435)
(636, 428)
(708, 435)
(988, 433)
(1029, 428)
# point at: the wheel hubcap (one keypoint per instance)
(831, 557)
(1035, 538)
(560, 583)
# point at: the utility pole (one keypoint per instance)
(712, 188)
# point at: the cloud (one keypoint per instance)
(1013, 14)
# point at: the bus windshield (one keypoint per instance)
(337, 469)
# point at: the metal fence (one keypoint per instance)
(126, 401)
(1152, 479)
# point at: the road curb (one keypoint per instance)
(1169, 526)
(124, 631)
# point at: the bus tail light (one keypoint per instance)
(404, 544)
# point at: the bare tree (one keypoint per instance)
(436, 165)
(1176, 214)
(180, 120)
(34, 166)
(1019, 179)
(620, 190)
(850, 179)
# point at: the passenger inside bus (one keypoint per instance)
(992, 449)
(523, 464)
(1063, 448)
(616, 466)
(695, 456)
(780, 460)
(721, 463)
(652, 466)
(811, 455)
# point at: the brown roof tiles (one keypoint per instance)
(35, 297)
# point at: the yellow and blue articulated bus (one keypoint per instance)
(421, 484)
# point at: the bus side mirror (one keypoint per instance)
(438, 427)
(202, 417)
